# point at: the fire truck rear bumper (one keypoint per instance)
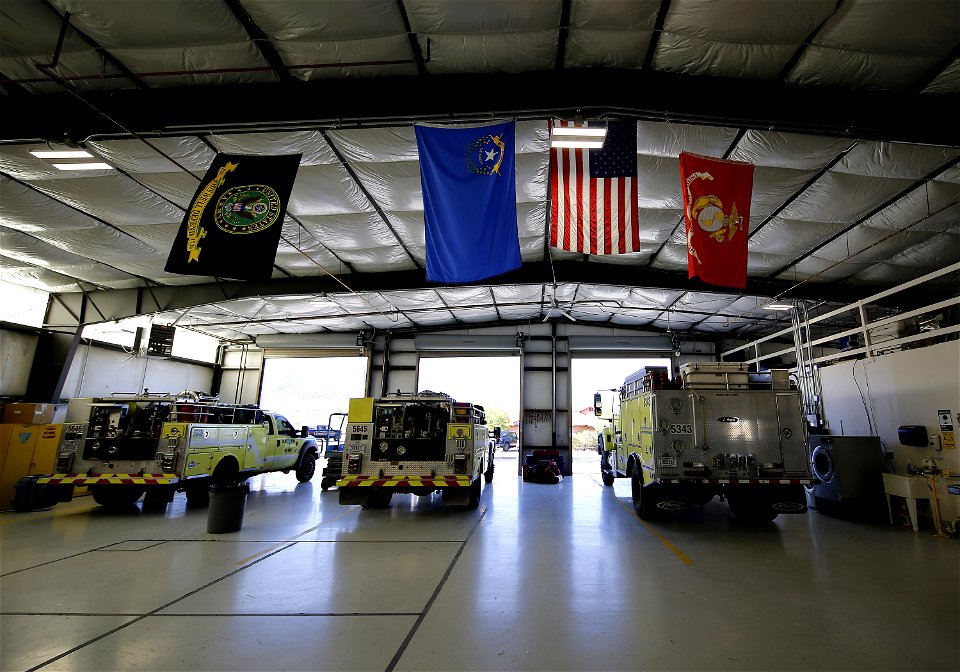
(403, 483)
(110, 479)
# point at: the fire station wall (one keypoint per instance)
(97, 371)
(898, 388)
(16, 359)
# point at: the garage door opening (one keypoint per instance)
(492, 382)
(307, 390)
(589, 375)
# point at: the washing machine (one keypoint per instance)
(849, 468)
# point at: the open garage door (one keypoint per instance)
(491, 381)
(597, 374)
(306, 390)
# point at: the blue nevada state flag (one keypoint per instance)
(469, 201)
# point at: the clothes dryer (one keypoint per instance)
(849, 469)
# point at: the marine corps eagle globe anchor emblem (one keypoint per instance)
(707, 211)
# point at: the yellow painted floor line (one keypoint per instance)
(663, 540)
(352, 510)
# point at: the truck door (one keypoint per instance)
(259, 444)
(285, 446)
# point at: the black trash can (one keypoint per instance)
(227, 501)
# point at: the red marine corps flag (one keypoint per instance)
(716, 206)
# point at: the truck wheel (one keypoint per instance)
(308, 465)
(474, 494)
(198, 496)
(116, 497)
(488, 474)
(378, 498)
(158, 497)
(606, 473)
(327, 482)
(750, 512)
(643, 503)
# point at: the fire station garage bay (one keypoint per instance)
(440, 335)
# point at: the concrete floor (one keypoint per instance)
(540, 577)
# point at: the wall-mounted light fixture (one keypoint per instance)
(778, 306)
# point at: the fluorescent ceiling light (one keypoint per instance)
(578, 136)
(778, 306)
(83, 166)
(62, 154)
(578, 130)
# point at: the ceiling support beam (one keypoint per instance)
(343, 103)
(260, 40)
(132, 302)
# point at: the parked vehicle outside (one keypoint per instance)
(509, 440)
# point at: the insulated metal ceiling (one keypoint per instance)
(845, 108)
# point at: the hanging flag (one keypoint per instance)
(232, 226)
(593, 194)
(469, 201)
(716, 206)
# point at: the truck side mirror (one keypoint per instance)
(496, 432)
(597, 405)
(304, 432)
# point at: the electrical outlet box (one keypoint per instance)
(933, 441)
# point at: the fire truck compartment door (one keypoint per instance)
(198, 464)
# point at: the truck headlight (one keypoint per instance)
(401, 450)
(383, 446)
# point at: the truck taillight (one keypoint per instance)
(354, 463)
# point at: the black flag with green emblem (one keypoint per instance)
(233, 224)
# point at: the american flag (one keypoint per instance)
(593, 194)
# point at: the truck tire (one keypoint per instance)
(307, 467)
(606, 473)
(747, 510)
(378, 498)
(116, 497)
(643, 503)
(198, 496)
(157, 497)
(474, 494)
(327, 482)
(488, 474)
